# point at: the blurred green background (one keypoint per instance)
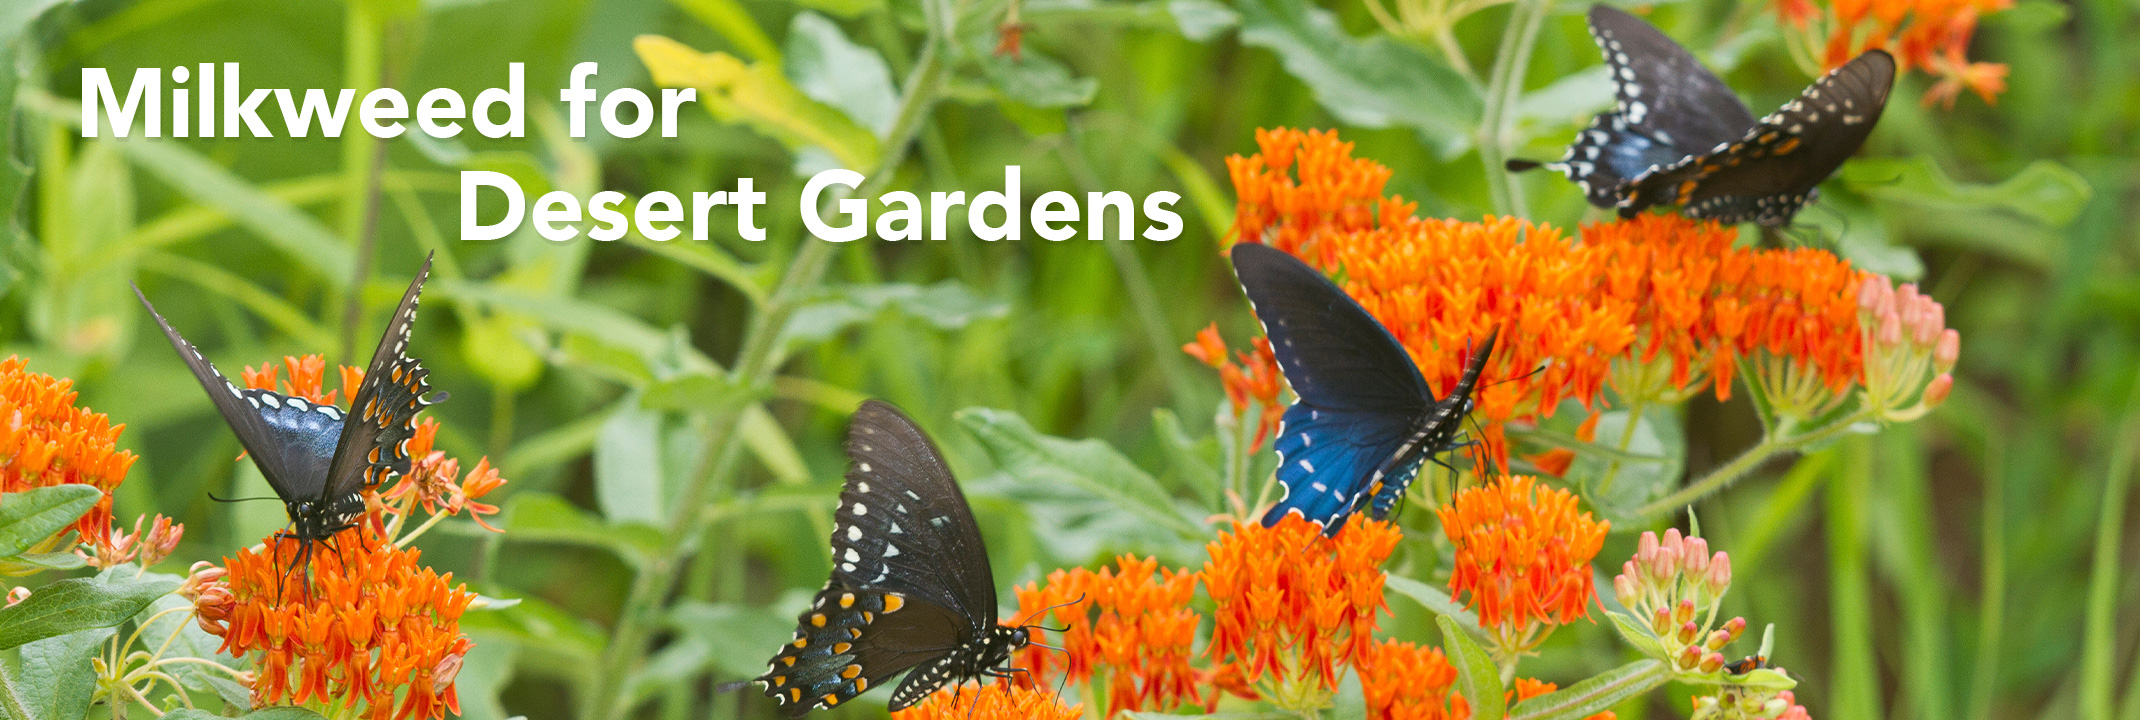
(1967, 565)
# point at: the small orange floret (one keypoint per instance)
(997, 701)
(1299, 617)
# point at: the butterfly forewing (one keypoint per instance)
(1333, 353)
(382, 415)
(1771, 171)
(290, 439)
(1661, 89)
(911, 585)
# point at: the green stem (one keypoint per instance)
(1627, 437)
(1497, 125)
(759, 357)
(1725, 474)
(1991, 598)
(1855, 674)
(361, 155)
(2099, 635)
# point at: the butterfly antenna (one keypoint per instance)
(1043, 611)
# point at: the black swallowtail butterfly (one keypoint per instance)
(911, 585)
(318, 458)
(1365, 420)
(1676, 135)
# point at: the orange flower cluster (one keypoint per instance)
(1305, 185)
(46, 441)
(1522, 558)
(433, 480)
(1657, 305)
(1292, 602)
(1143, 634)
(1254, 377)
(369, 622)
(1402, 681)
(996, 701)
(1932, 35)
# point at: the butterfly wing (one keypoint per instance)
(1769, 173)
(1436, 434)
(1665, 105)
(290, 439)
(1359, 391)
(910, 580)
(382, 415)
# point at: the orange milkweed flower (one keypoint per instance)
(1252, 378)
(1304, 185)
(370, 622)
(1132, 620)
(1403, 681)
(1522, 558)
(1291, 603)
(995, 701)
(1930, 35)
(45, 441)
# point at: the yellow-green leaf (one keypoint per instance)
(759, 95)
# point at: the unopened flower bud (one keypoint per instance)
(442, 676)
(1735, 626)
(1623, 589)
(17, 595)
(1684, 613)
(1874, 293)
(1717, 640)
(1890, 329)
(1689, 657)
(1696, 556)
(1646, 544)
(1929, 324)
(162, 538)
(1689, 632)
(1936, 391)
(1661, 622)
(1719, 573)
(1948, 350)
(1712, 662)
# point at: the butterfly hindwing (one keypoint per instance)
(1326, 457)
(1771, 171)
(911, 587)
(1435, 434)
(382, 414)
(290, 439)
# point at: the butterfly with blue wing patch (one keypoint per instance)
(911, 586)
(1365, 420)
(1676, 135)
(318, 458)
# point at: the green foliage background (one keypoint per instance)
(1967, 565)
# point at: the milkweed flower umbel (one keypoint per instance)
(1522, 558)
(994, 701)
(1673, 586)
(1930, 35)
(1910, 351)
(45, 440)
(1251, 380)
(366, 627)
(1131, 621)
(1403, 681)
(1292, 603)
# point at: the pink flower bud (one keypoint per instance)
(17, 595)
(442, 676)
(1695, 556)
(1689, 657)
(1735, 627)
(1623, 589)
(1689, 632)
(1684, 613)
(1664, 563)
(1661, 622)
(1890, 332)
(1719, 573)
(1873, 292)
(1929, 325)
(1949, 350)
(1646, 544)
(1671, 542)
(1936, 391)
(1717, 640)
(1713, 663)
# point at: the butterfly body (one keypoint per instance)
(1365, 420)
(1676, 135)
(911, 589)
(318, 458)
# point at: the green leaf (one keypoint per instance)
(484, 673)
(55, 677)
(77, 604)
(628, 483)
(1476, 673)
(1635, 633)
(1435, 601)
(542, 517)
(1597, 694)
(737, 637)
(1091, 465)
(833, 70)
(29, 518)
(1030, 78)
(1202, 20)
(548, 638)
(1374, 82)
(2043, 191)
(758, 95)
(1194, 461)
(1618, 486)
(948, 305)
(279, 712)
(51, 560)
(181, 637)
